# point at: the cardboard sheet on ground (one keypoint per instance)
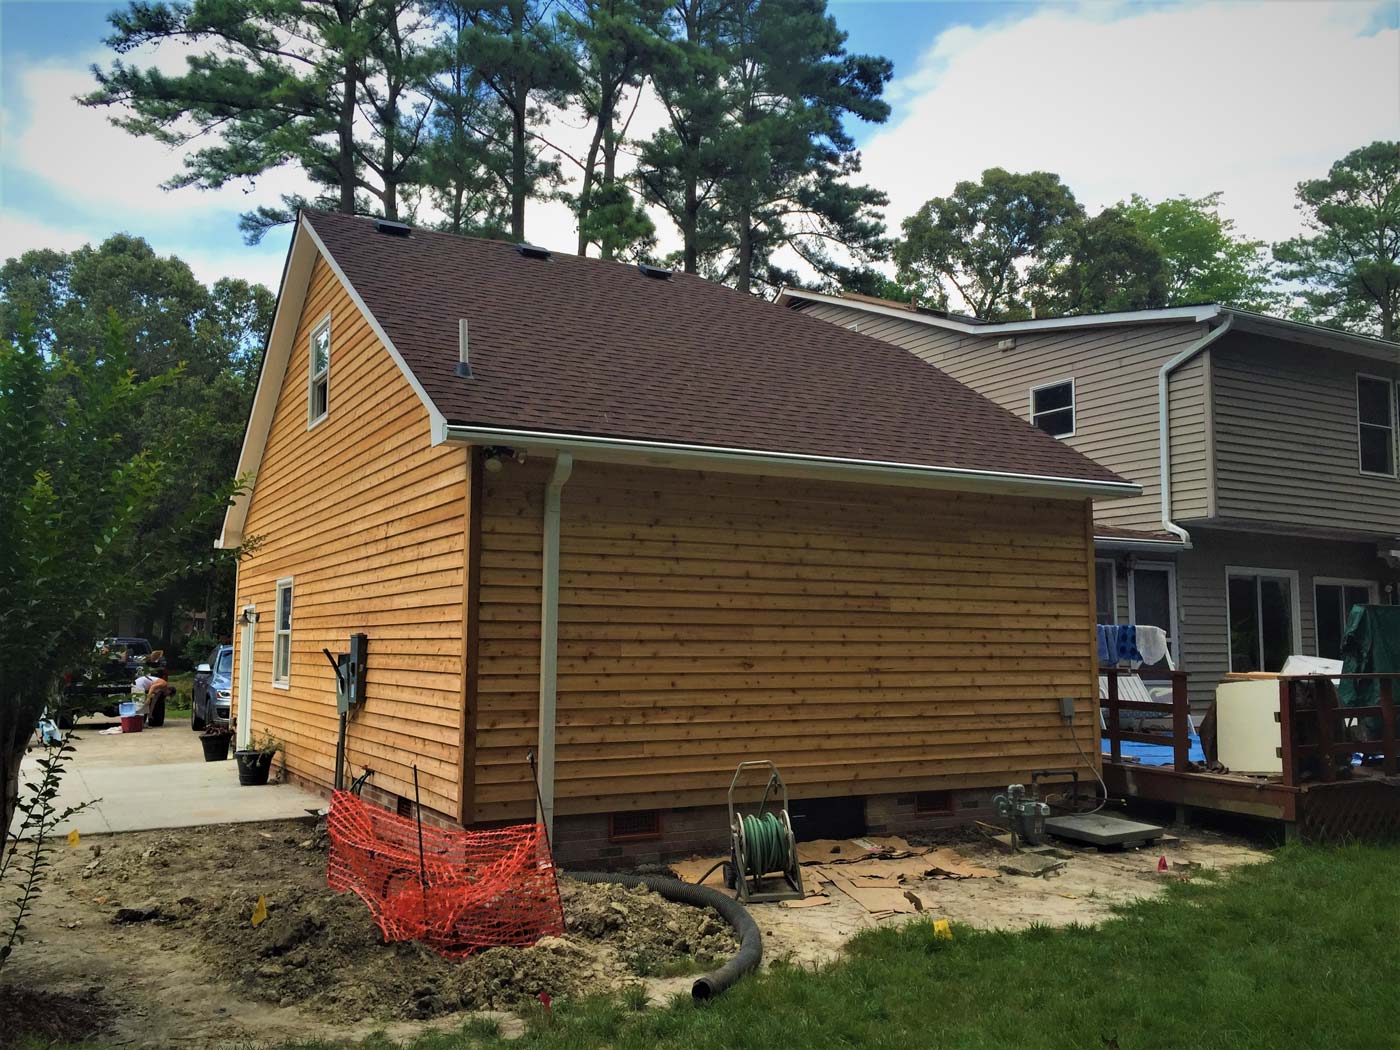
(841, 851)
(879, 902)
(691, 869)
(947, 863)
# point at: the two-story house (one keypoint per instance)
(1266, 450)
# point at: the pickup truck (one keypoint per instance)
(108, 681)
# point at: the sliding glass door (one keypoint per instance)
(1332, 603)
(1263, 609)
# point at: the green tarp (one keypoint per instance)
(1371, 646)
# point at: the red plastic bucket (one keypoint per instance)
(133, 723)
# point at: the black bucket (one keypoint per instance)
(253, 767)
(215, 747)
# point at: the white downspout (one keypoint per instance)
(549, 637)
(1164, 423)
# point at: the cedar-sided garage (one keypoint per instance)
(645, 527)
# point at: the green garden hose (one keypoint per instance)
(765, 844)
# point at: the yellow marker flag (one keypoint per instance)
(943, 930)
(260, 911)
(74, 839)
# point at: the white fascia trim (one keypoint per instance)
(291, 296)
(437, 421)
(856, 469)
(1191, 314)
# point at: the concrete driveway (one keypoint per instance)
(159, 779)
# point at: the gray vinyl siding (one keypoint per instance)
(1286, 447)
(1203, 609)
(1115, 374)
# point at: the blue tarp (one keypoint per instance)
(1157, 754)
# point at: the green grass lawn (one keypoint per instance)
(1297, 952)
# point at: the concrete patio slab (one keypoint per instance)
(159, 779)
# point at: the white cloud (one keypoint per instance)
(1246, 98)
(19, 234)
(76, 150)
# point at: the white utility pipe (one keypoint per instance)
(549, 637)
(1164, 447)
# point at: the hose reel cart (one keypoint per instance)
(762, 845)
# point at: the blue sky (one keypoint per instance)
(1245, 97)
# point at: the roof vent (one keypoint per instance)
(658, 273)
(532, 251)
(464, 368)
(391, 228)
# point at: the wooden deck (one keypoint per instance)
(1315, 799)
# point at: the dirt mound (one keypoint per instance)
(29, 1016)
(321, 950)
(648, 932)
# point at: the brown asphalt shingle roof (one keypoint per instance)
(582, 346)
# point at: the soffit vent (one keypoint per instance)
(392, 229)
(656, 273)
(532, 251)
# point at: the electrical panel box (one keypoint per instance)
(359, 656)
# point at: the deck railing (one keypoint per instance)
(1319, 729)
(1179, 739)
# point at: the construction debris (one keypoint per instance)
(1031, 865)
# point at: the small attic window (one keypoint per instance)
(1052, 408)
(319, 370)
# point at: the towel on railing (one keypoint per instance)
(1118, 642)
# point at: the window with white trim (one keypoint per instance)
(319, 392)
(282, 635)
(1052, 408)
(1375, 424)
(1333, 601)
(1263, 612)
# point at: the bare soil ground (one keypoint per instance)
(153, 930)
(156, 926)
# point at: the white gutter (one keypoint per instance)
(1164, 449)
(549, 638)
(843, 467)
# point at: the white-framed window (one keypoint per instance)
(1052, 408)
(1152, 598)
(1375, 425)
(318, 396)
(282, 635)
(1264, 617)
(1106, 590)
(1332, 603)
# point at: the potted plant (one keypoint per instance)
(255, 761)
(215, 740)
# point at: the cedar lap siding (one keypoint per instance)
(871, 638)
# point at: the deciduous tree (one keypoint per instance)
(979, 242)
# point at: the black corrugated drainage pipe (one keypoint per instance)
(750, 952)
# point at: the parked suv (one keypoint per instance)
(213, 689)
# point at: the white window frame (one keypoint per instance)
(1073, 407)
(285, 583)
(1372, 587)
(1112, 564)
(1390, 404)
(1174, 631)
(1296, 590)
(311, 377)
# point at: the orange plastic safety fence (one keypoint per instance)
(473, 890)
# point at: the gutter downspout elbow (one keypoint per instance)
(549, 637)
(1164, 423)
